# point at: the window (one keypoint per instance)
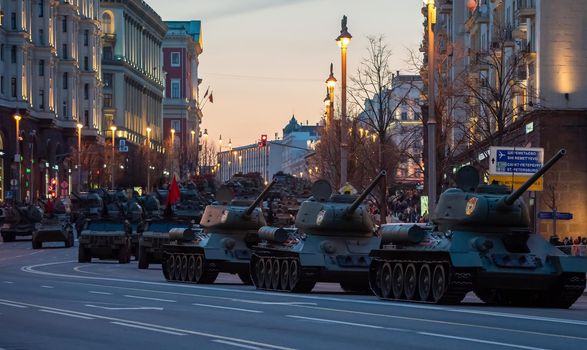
(107, 24)
(107, 53)
(87, 118)
(13, 87)
(107, 100)
(41, 37)
(13, 54)
(404, 115)
(86, 63)
(107, 79)
(64, 109)
(64, 51)
(175, 88)
(86, 37)
(176, 124)
(41, 8)
(2, 85)
(42, 68)
(65, 80)
(175, 59)
(13, 20)
(64, 24)
(41, 99)
(86, 91)
(2, 52)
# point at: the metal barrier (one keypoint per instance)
(574, 250)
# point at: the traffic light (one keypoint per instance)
(263, 140)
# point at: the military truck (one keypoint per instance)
(20, 221)
(479, 240)
(107, 239)
(229, 230)
(331, 242)
(153, 234)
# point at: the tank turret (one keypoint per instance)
(234, 214)
(485, 208)
(324, 212)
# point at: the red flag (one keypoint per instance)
(211, 98)
(173, 193)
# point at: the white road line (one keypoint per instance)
(101, 293)
(79, 269)
(522, 317)
(147, 328)
(386, 304)
(20, 256)
(201, 334)
(13, 305)
(125, 308)
(481, 341)
(8, 282)
(48, 287)
(229, 308)
(147, 298)
(335, 322)
(285, 303)
(66, 314)
(237, 344)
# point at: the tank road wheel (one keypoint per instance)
(184, 268)
(285, 275)
(191, 269)
(397, 285)
(268, 273)
(386, 280)
(294, 274)
(276, 274)
(171, 267)
(198, 269)
(424, 282)
(177, 271)
(410, 281)
(260, 271)
(438, 283)
(143, 258)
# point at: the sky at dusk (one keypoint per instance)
(265, 60)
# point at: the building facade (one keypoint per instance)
(181, 47)
(133, 87)
(545, 100)
(297, 142)
(50, 78)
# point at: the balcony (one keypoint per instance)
(109, 37)
(526, 8)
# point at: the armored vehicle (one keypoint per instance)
(229, 230)
(153, 234)
(55, 226)
(478, 241)
(331, 242)
(105, 239)
(20, 221)
(86, 205)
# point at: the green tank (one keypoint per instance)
(153, 234)
(480, 241)
(229, 230)
(20, 221)
(55, 226)
(331, 242)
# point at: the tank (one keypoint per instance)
(20, 221)
(229, 230)
(153, 234)
(85, 205)
(479, 240)
(331, 242)
(106, 239)
(54, 227)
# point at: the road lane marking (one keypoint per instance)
(228, 308)
(65, 314)
(197, 333)
(125, 308)
(522, 317)
(147, 298)
(48, 287)
(147, 328)
(335, 322)
(474, 340)
(285, 303)
(237, 344)
(101, 293)
(79, 269)
(19, 256)
(8, 282)
(31, 269)
(13, 305)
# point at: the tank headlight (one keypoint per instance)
(224, 216)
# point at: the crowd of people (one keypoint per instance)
(404, 206)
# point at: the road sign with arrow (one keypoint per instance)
(512, 166)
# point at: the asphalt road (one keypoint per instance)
(49, 301)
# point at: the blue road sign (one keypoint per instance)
(515, 161)
(549, 215)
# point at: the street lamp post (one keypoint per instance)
(205, 158)
(172, 151)
(343, 40)
(431, 123)
(79, 157)
(148, 159)
(17, 118)
(330, 84)
(113, 129)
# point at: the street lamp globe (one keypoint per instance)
(17, 117)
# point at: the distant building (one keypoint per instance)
(182, 46)
(298, 140)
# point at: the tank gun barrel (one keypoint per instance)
(76, 195)
(509, 200)
(258, 200)
(350, 210)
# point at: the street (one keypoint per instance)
(49, 301)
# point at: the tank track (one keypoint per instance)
(573, 285)
(291, 276)
(450, 289)
(188, 268)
